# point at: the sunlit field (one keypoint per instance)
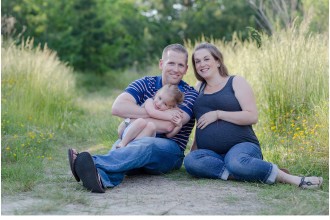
(42, 108)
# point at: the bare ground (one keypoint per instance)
(144, 195)
(176, 193)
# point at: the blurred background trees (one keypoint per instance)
(101, 35)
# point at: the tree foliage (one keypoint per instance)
(98, 35)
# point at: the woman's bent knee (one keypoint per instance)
(191, 164)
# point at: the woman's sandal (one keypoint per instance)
(309, 185)
(71, 161)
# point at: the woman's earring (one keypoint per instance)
(218, 65)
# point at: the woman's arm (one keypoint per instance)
(246, 99)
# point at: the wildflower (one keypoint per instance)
(32, 135)
(295, 136)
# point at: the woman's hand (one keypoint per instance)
(207, 119)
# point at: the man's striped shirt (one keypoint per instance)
(146, 87)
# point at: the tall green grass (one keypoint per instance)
(289, 75)
(36, 101)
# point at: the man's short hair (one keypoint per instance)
(177, 48)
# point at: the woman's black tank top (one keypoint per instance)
(220, 135)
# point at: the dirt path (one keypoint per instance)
(141, 195)
(176, 193)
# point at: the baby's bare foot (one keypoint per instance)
(119, 145)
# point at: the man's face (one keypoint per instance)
(173, 66)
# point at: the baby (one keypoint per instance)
(168, 97)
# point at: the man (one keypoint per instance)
(152, 155)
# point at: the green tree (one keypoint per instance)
(319, 12)
(30, 16)
(218, 19)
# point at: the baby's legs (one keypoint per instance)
(137, 129)
(121, 129)
(133, 131)
(148, 131)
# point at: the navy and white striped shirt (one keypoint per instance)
(146, 87)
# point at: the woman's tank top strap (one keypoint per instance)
(201, 89)
(230, 83)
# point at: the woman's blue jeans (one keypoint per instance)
(243, 161)
(149, 154)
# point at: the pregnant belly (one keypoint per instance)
(219, 136)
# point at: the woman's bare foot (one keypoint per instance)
(311, 182)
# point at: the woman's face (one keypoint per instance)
(205, 63)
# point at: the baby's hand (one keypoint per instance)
(177, 120)
(175, 112)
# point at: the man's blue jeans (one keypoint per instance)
(150, 154)
(243, 161)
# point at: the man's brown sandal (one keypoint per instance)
(72, 161)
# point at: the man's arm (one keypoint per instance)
(125, 107)
(177, 121)
(174, 131)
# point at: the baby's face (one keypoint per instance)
(163, 101)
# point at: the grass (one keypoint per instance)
(47, 107)
(289, 76)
